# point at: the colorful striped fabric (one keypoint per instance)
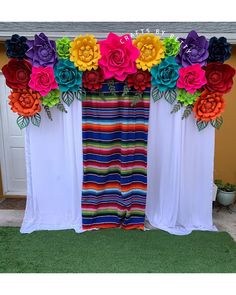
(115, 159)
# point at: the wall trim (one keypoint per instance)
(101, 29)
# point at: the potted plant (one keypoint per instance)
(225, 193)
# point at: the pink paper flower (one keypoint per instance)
(118, 57)
(191, 78)
(42, 80)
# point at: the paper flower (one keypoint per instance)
(85, 52)
(219, 49)
(172, 46)
(16, 46)
(193, 49)
(17, 73)
(151, 51)
(25, 102)
(191, 78)
(52, 98)
(93, 79)
(209, 106)
(118, 57)
(63, 47)
(42, 80)
(140, 80)
(68, 77)
(165, 75)
(42, 51)
(219, 77)
(187, 98)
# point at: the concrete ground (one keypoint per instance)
(223, 219)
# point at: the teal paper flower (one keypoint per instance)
(63, 47)
(172, 46)
(68, 77)
(52, 98)
(165, 75)
(187, 98)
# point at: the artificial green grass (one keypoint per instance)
(115, 251)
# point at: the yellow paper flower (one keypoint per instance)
(85, 52)
(151, 51)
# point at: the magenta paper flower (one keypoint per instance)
(118, 56)
(191, 78)
(42, 80)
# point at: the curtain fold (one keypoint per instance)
(180, 172)
(54, 163)
(115, 159)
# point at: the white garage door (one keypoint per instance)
(12, 157)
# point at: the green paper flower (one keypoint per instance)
(172, 46)
(63, 46)
(52, 98)
(187, 98)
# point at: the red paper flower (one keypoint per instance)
(140, 80)
(17, 73)
(219, 77)
(209, 106)
(93, 79)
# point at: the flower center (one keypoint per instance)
(147, 52)
(26, 101)
(139, 77)
(86, 53)
(92, 77)
(45, 52)
(21, 75)
(215, 77)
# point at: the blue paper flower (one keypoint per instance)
(219, 49)
(67, 76)
(165, 75)
(16, 46)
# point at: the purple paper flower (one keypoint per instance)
(194, 49)
(42, 51)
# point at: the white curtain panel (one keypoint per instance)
(180, 172)
(54, 172)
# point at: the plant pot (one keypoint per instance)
(225, 198)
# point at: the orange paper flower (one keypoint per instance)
(25, 102)
(209, 106)
(85, 52)
(151, 51)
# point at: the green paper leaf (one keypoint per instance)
(217, 123)
(201, 125)
(80, 94)
(60, 107)
(48, 112)
(136, 98)
(156, 94)
(112, 87)
(22, 121)
(187, 111)
(170, 95)
(68, 97)
(125, 90)
(176, 107)
(36, 119)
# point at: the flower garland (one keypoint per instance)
(190, 71)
